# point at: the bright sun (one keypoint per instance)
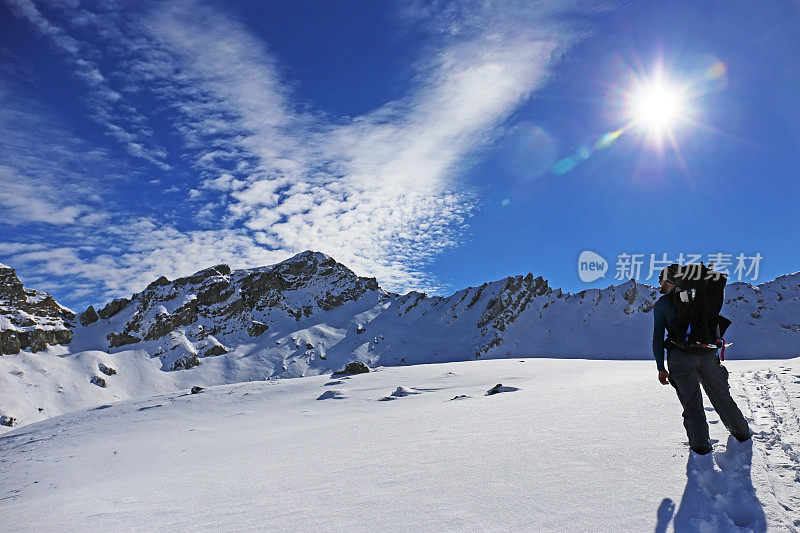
(656, 107)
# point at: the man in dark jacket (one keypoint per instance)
(688, 370)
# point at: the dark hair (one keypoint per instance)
(669, 273)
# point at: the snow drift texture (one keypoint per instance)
(316, 454)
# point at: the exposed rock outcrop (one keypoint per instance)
(113, 307)
(354, 367)
(257, 328)
(121, 339)
(310, 315)
(107, 370)
(29, 319)
(186, 362)
(216, 349)
(176, 319)
(89, 316)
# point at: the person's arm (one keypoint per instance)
(659, 330)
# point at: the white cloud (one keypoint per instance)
(379, 192)
(11, 248)
(42, 170)
(147, 249)
(27, 9)
(23, 202)
(104, 99)
(225, 182)
(363, 189)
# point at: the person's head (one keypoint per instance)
(667, 278)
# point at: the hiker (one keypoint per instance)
(691, 365)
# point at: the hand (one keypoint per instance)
(663, 377)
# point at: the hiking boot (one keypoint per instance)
(742, 438)
(700, 451)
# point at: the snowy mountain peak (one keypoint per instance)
(307, 265)
(217, 309)
(310, 314)
(309, 256)
(30, 319)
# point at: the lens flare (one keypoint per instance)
(657, 106)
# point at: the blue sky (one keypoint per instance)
(434, 145)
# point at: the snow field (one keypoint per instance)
(581, 446)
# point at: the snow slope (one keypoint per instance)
(580, 446)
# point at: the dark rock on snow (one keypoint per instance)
(500, 388)
(216, 349)
(186, 362)
(121, 339)
(89, 316)
(35, 320)
(113, 307)
(257, 328)
(355, 367)
(107, 370)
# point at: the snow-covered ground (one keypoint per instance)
(580, 446)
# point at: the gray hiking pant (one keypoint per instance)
(687, 371)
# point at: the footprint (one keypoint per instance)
(737, 455)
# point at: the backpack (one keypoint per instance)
(698, 299)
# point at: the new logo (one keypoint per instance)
(591, 266)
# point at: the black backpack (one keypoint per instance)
(698, 298)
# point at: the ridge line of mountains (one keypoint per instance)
(310, 314)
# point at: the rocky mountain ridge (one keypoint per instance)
(310, 314)
(207, 313)
(30, 319)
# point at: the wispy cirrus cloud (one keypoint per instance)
(120, 122)
(379, 192)
(41, 169)
(66, 229)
